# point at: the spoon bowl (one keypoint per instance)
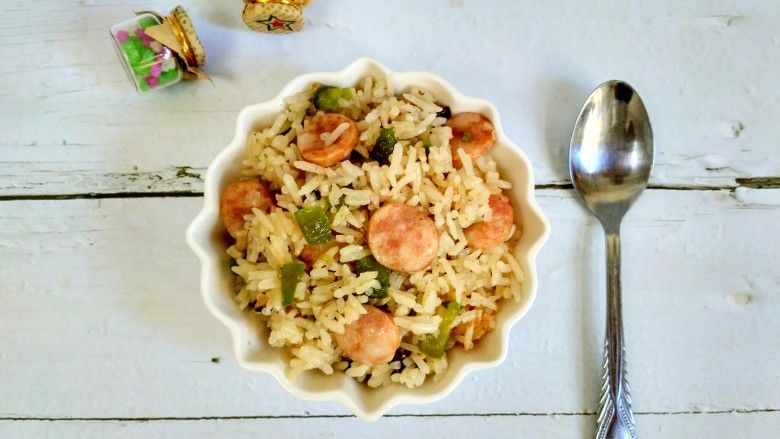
(611, 150)
(610, 159)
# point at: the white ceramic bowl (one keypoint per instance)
(207, 237)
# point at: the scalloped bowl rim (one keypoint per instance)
(204, 236)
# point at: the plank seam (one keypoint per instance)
(407, 415)
(101, 196)
(195, 194)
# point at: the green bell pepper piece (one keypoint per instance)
(314, 224)
(383, 148)
(326, 97)
(368, 263)
(291, 275)
(435, 345)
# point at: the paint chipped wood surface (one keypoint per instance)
(72, 123)
(104, 332)
(102, 320)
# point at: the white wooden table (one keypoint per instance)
(104, 334)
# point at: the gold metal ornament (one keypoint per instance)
(275, 16)
(177, 33)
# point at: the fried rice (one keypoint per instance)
(331, 294)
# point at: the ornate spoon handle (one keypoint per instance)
(615, 419)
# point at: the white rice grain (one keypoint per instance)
(479, 300)
(418, 324)
(347, 231)
(466, 160)
(352, 253)
(329, 138)
(356, 198)
(404, 298)
(292, 188)
(424, 105)
(516, 269)
(310, 185)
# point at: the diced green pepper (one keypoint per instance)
(383, 148)
(328, 98)
(368, 263)
(466, 137)
(435, 345)
(314, 224)
(291, 275)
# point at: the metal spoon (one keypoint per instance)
(610, 158)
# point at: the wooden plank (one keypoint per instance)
(101, 314)
(711, 426)
(73, 124)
